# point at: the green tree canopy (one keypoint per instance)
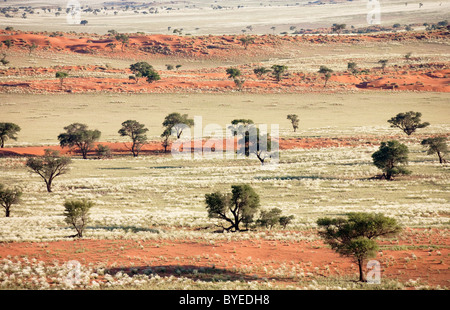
(78, 135)
(436, 145)
(383, 63)
(238, 125)
(177, 122)
(354, 236)
(8, 131)
(136, 131)
(8, 197)
(326, 73)
(260, 71)
(247, 40)
(233, 73)
(409, 122)
(294, 120)
(122, 38)
(8, 43)
(61, 76)
(338, 28)
(76, 213)
(235, 209)
(391, 158)
(252, 141)
(143, 69)
(49, 166)
(279, 71)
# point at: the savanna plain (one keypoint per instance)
(149, 226)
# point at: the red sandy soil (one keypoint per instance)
(423, 77)
(155, 147)
(433, 77)
(429, 265)
(193, 46)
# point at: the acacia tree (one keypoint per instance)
(143, 69)
(409, 122)
(49, 166)
(8, 131)
(260, 71)
(354, 236)
(235, 209)
(166, 139)
(152, 75)
(238, 125)
(61, 76)
(31, 47)
(279, 71)
(177, 122)
(252, 141)
(383, 63)
(136, 131)
(294, 121)
(338, 28)
(8, 197)
(79, 136)
(390, 157)
(77, 214)
(234, 73)
(246, 41)
(352, 67)
(326, 73)
(436, 145)
(122, 38)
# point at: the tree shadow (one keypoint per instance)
(132, 229)
(193, 272)
(297, 178)
(313, 177)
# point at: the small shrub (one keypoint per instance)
(273, 217)
(103, 151)
(77, 214)
(8, 197)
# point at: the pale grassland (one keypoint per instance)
(43, 117)
(199, 17)
(162, 197)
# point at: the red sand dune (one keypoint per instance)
(200, 46)
(429, 77)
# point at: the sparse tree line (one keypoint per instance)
(279, 72)
(390, 158)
